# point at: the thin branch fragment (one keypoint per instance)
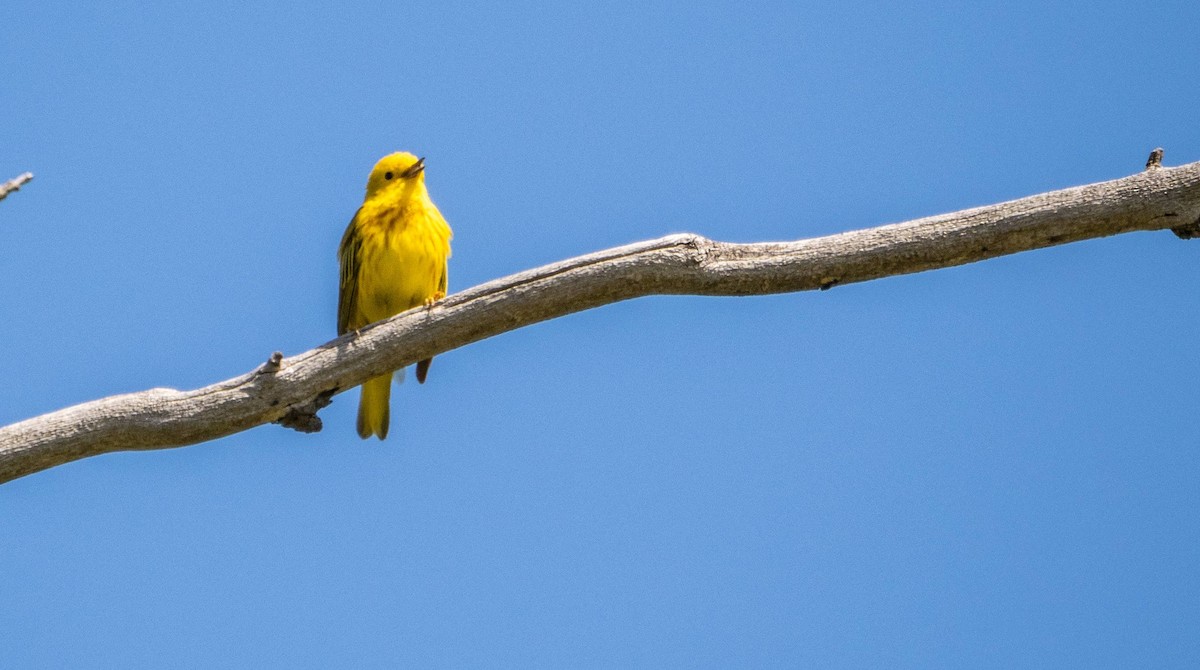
(13, 185)
(290, 391)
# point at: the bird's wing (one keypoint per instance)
(348, 257)
(443, 283)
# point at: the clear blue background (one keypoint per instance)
(989, 466)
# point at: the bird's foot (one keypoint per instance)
(429, 302)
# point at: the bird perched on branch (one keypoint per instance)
(393, 258)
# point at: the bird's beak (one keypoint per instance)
(415, 169)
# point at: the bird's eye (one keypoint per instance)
(387, 175)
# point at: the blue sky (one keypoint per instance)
(989, 466)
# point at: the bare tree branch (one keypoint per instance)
(14, 184)
(291, 390)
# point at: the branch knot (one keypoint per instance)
(698, 248)
(303, 417)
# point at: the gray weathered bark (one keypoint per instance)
(291, 390)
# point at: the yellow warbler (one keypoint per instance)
(393, 257)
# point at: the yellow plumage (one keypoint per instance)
(393, 257)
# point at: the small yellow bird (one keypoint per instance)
(393, 258)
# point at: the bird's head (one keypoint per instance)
(400, 170)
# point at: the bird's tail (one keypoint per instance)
(373, 407)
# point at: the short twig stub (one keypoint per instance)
(273, 364)
(1155, 159)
